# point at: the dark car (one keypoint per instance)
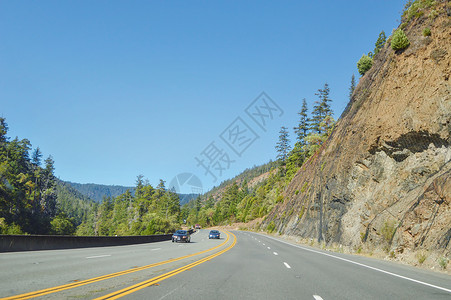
(181, 236)
(214, 234)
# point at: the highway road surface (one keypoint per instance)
(241, 265)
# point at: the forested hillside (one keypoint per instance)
(73, 203)
(97, 192)
(255, 192)
(149, 211)
(33, 201)
(27, 187)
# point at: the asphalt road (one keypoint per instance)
(250, 266)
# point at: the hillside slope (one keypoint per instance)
(98, 191)
(383, 178)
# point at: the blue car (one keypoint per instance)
(214, 234)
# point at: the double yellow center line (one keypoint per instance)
(109, 276)
(147, 283)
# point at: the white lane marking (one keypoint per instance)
(171, 292)
(269, 248)
(365, 266)
(98, 256)
(264, 245)
(287, 265)
(155, 249)
(275, 253)
(317, 297)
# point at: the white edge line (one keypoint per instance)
(363, 265)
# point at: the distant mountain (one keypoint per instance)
(96, 192)
(72, 202)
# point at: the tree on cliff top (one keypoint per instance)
(283, 145)
(322, 109)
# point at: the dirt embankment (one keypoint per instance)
(382, 182)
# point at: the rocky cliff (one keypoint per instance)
(383, 178)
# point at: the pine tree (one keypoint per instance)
(36, 157)
(48, 193)
(380, 42)
(322, 108)
(302, 129)
(352, 87)
(283, 146)
(139, 185)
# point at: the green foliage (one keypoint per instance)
(362, 236)
(321, 109)
(96, 192)
(433, 14)
(302, 128)
(27, 194)
(301, 213)
(380, 42)
(283, 145)
(399, 40)
(9, 229)
(421, 256)
(416, 9)
(271, 227)
(352, 86)
(72, 202)
(150, 211)
(388, 230)
(427, 31)
(237, 201)
(33, 201)
(443, 262)
(364, 64)
(62, 225)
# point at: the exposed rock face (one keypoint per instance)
(384, 176)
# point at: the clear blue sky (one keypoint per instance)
(113, 89)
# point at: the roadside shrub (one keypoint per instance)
(364, 64)
(399, 40)
(301, 213)
(421, 256)
(271, 227)
(427, 31)
(9, 229)
(388, 230)
(443, 262)
(416, 9)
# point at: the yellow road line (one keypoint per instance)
(104, 277)
(134, 288)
